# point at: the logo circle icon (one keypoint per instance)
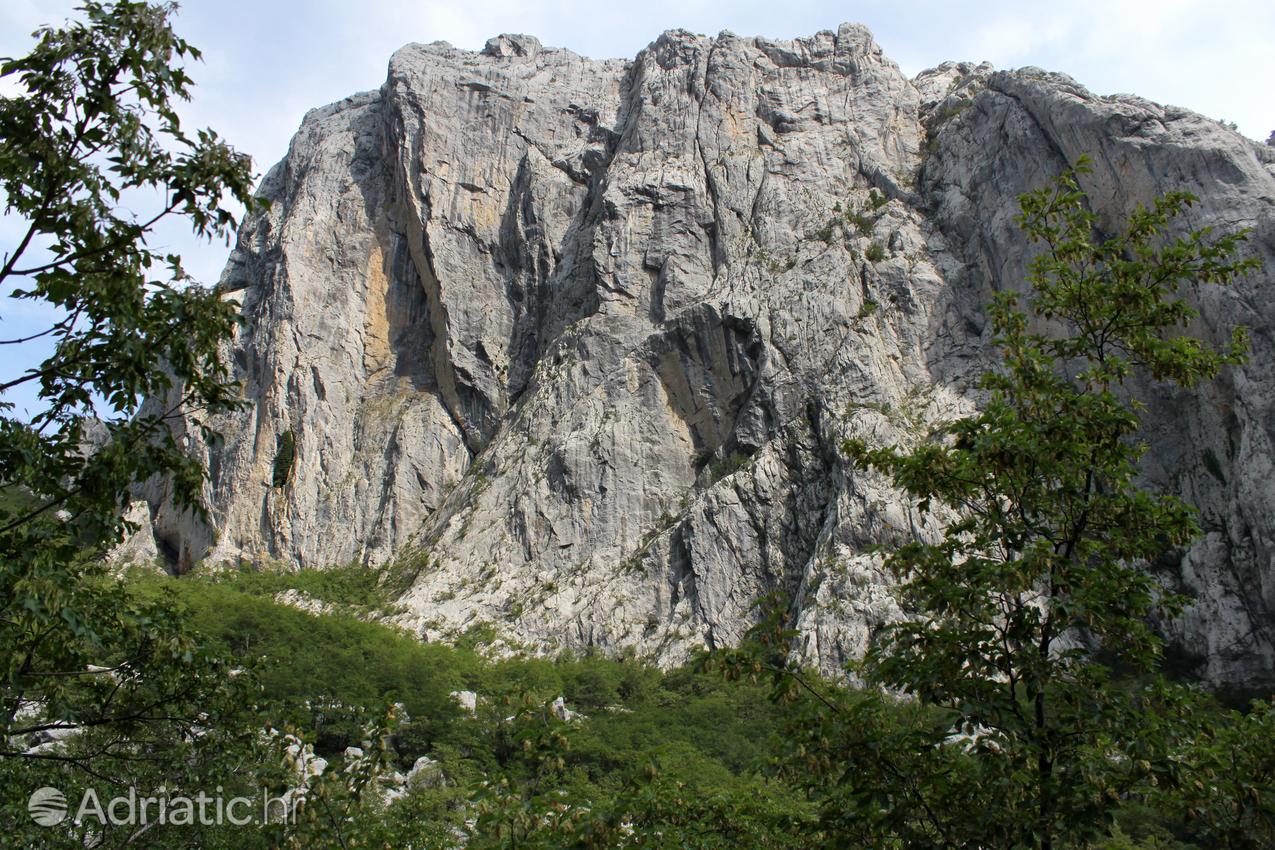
(47, 806)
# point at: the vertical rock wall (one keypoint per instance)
(584, 336)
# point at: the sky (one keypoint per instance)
(265, 63)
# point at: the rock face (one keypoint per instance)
(583, 337)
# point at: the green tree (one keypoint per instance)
(93, 132)
(1036, 568)
(93, 129)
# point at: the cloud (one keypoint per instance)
(1185, 52)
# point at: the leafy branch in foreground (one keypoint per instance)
(1043, 565)
(91, 134)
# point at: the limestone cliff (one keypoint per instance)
(585, 335)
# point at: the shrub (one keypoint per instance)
(284, 457)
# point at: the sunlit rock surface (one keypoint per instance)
(585, 336)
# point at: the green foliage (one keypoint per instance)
(89, 132)
(720, 467)
(284, 457)
(678, 752)
(94, 120)
(678, 798)
(338, 664)
(1039, 563)
(824, 234)
(861, 221)
(337, 657)
(863, 224)
(875, 252)
(133, 693)
(1224, 793)
(351, 585)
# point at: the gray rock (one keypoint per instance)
(558, 708)
(585, 336)
(138, 548)
(303, 601)
(468, 700)
(425, 773)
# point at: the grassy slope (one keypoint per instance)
(687, 721)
